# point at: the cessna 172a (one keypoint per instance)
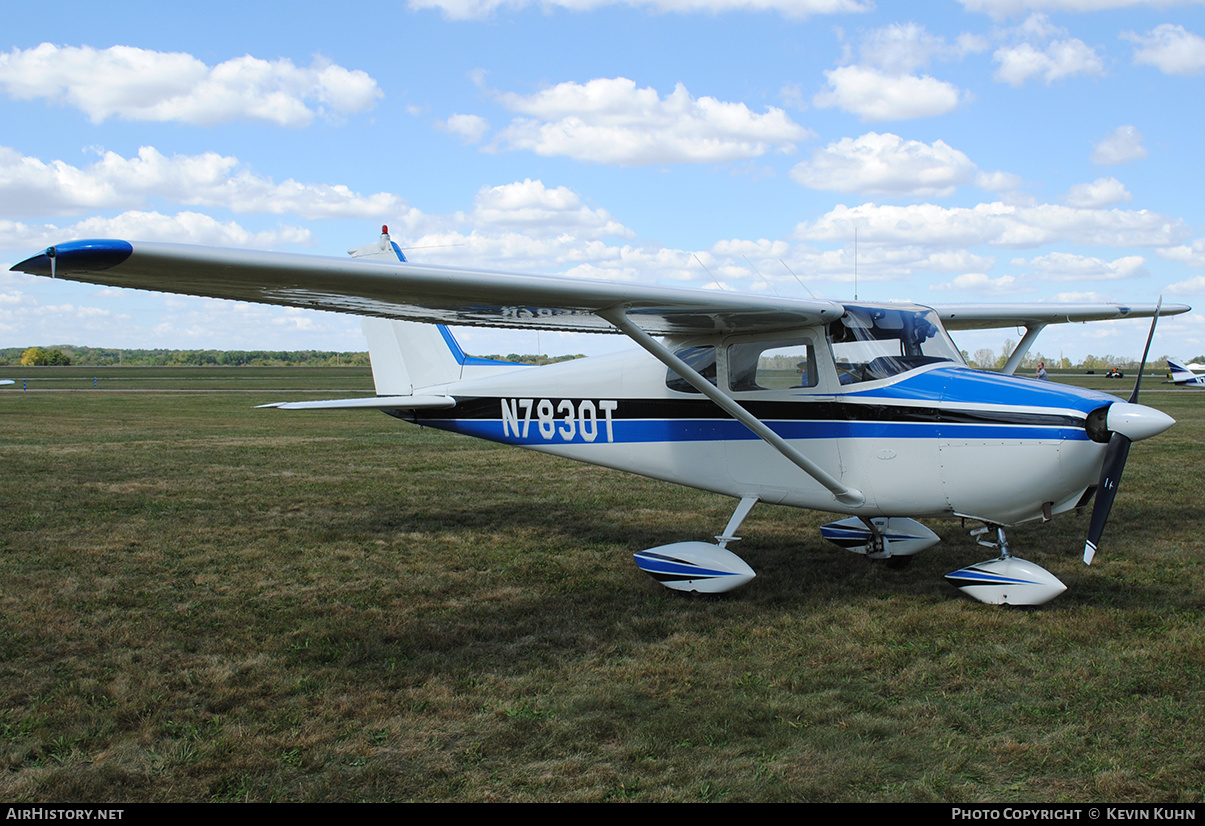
(879, 417)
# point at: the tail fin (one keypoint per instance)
(1180, 373)
(408, 356)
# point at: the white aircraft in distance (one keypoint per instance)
(1186, 376)
(863, 409)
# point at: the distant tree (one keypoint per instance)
(39, 356)
(984, 358)
(1005, 352)
(33, 356)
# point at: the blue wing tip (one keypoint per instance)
(91, 255)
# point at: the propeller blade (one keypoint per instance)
(1115, 461)
(1146, 351)
(1106, 491)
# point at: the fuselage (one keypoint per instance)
(924, 436)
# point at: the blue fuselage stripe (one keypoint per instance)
(636, 431)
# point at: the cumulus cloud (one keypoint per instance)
(1011, 8)
(1041, 54)
(1061, 58)
(524, 226)
(1124, 145)
(140, 84)
(886, 164)
(471, 128)
(901, 48)
(1100, 193)
(876, 95)
(1171, 49)
(1063, 266)
(998, 181)
(994, 224)
(532, 207)
(1193, 286)
(610, 120)
(795, 9)
(981, 283)
(30, 186)
(1192, 254)
(884, 85)
(183, 227)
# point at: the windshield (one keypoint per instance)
(872, 343)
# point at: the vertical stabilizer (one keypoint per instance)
(408, 356)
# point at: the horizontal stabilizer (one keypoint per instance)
(369, 403)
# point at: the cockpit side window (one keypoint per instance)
(701, 359)
(872, 343)
(772, 365)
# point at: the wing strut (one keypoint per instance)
(618, 317)
(1031, 335)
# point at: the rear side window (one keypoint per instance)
(772, 365)
(701, 359)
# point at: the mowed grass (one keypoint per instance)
(203, 601)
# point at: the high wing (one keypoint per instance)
(417, 292)
(468, 297)
(991, 316)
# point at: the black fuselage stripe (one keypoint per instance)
(801, 410)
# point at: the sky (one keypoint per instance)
(980, 151)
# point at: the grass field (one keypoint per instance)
(203, 601)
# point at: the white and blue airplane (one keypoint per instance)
(863, 409)
(1186, 376)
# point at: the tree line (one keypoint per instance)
(984, 358)
(987, 359)
(105, 357)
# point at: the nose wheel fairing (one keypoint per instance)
(1006, 580)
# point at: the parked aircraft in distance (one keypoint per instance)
(1185, 375)
(859, 408)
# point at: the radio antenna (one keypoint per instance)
(793, 275)
(763, 278)
(704, 266)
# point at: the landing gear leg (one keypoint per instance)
(734, 524)
(1001, 540)
(875, 548)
